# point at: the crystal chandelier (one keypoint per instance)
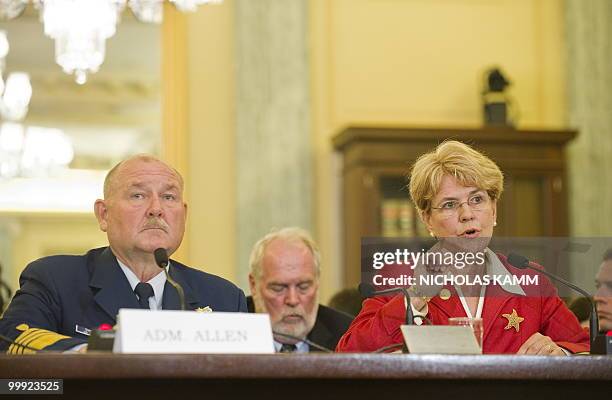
(16, 92)
(33, 151)
(151, 10)
(10, 9)
(80, 28)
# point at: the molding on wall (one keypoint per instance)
(175, 129)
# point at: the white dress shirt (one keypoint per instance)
(157, 282)
(301, 347)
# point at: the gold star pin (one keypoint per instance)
(445, 294)
(204, 309)
(514, 320)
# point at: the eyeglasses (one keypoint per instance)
(476, 202)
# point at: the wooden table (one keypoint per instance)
(318, 376)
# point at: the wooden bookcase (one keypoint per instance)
(376, 161)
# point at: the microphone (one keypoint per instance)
(161, 259)
(522, 262)
(368, 290)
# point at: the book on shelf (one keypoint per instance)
(397, 218)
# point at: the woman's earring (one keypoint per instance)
(495, 223)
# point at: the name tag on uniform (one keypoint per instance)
(169, 331)
(82, 330)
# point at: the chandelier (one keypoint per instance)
(16, 92)
(33, 151)
(26, 151)
(80, 28)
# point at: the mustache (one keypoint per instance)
(156, 223)
(294, 314)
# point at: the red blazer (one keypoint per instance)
(378, 323)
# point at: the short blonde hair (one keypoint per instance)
(468, 166)
(291, 234)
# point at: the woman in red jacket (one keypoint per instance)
(455, 189)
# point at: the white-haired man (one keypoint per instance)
(284, 282)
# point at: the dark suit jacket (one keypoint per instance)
(59, 293)
(329, 326)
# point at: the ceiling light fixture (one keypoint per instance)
(80, 28)
(16, 92)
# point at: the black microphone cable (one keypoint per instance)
(368, 291)
(522, 262)
(161, 259)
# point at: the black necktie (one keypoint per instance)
(144, 290)
(288, 348)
